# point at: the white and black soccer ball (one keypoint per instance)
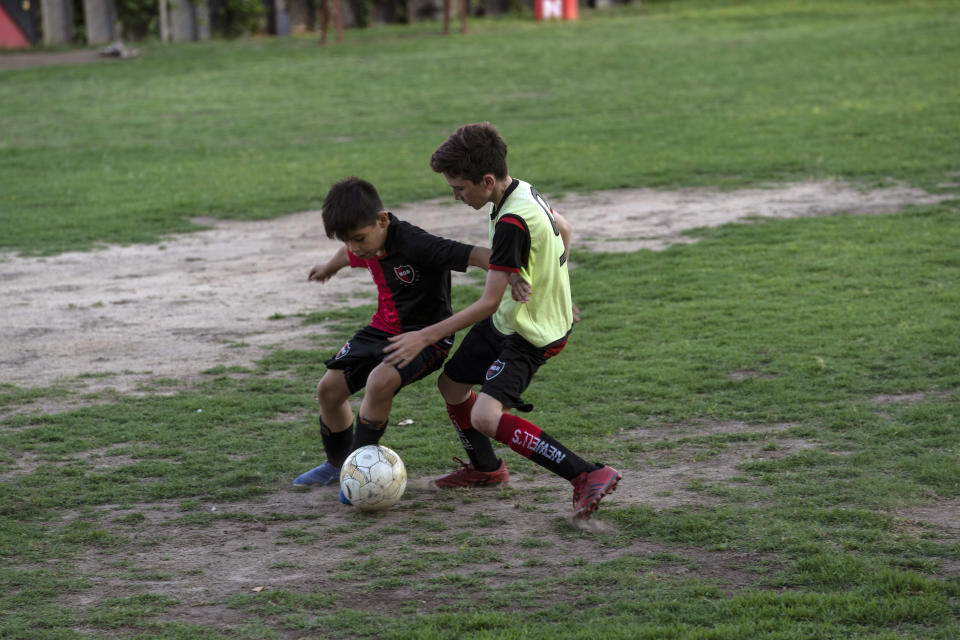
(373, 478)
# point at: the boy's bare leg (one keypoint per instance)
(382, 385)
(336, 420)
(486, 415)
(453, 392)
(591, 482)
(484, 468)
(333, 395)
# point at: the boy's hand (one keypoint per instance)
(576, 313)
(320, 272)
(323, 271)
(519, 288)
(404, 347)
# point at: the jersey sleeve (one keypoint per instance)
(511, 244)
(436, 251)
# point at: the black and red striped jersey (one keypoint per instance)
(413, 277)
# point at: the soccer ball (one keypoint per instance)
(373, 478)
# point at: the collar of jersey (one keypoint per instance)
(506, 194)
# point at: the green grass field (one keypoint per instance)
(716, 93)
(831, 342)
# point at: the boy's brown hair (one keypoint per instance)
(473, 151)
(350, 204)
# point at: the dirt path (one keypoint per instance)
(126, 314)
(50, 58)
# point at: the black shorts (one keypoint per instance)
(364, 351)
(504, 365)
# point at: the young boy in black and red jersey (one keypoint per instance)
(411, 269)
(510, 338)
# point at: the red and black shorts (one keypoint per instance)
(503, 365)
(364, 351)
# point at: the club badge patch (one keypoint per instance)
(344, 351)
(405, 273)
(495, 369)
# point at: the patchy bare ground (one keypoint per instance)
(50, 58)
(469, 543)
(124, 315)
(128, 315)
(304, 541)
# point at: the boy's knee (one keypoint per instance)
(443, 384)
(323, 390)
(383, 381)
(330, 391)
(453, 392)
(484, 420)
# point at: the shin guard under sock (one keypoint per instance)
(532, 442)
(367, 432)
(336, 444)
(477, 445)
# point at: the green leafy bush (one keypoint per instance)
(235, 18)
(139, 18)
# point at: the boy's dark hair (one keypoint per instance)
(350, 204)
(473, 151)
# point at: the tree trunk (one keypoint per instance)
(281, 18)
(183, 20)
(100, 18)
(202, 15)
(57, 21)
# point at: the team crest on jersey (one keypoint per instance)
(495, 369)
(405, 273)
(344, 351)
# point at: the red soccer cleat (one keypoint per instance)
(467, 476)
(590, 487)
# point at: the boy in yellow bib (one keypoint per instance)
(510, 339)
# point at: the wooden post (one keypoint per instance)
(325, 18)
(100, 19)
(204, 28)
(183, 21)
(164, 22)
(281, 18)
(57, 21)
(461, 9)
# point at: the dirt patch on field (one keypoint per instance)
(217, 560)
(52, 58)
(436, 550)
(123, 316)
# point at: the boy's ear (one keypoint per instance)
(488, 180)
(383, 219)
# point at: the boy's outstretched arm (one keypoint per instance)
(479, 257)
(519, 288)
(321, 272)
(404, 347)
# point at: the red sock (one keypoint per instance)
(460, 413)
(531, 442)
(478, 447)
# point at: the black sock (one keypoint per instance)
(336, 444)
(478, 448)
(367, 432)
(477, 445)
